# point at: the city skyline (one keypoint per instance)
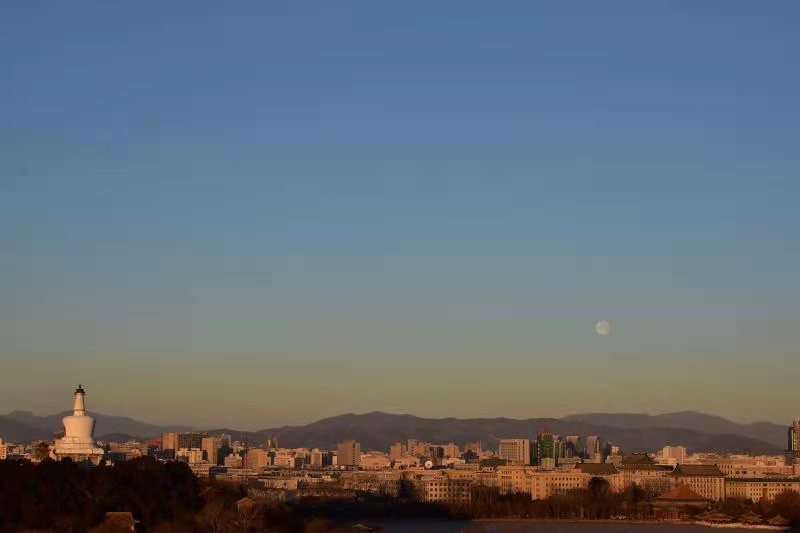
(597, 417)
(270, 214)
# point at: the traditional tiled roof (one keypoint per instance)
(717, 517)
(778, 520)
(681, 493)
(638, 459)
(698, 470)
(751, 518)
(597, 469)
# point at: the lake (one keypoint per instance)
(542, 527)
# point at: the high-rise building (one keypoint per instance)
(3, 450)
(397, 450)
(548, 446)
(256, 458)
(191, 440)
(472, 450)
(594, 450)
(317, 457)
(348, 454)
(575, 445)
(517, 451)
(169, 441)
(676, 453)
(794, 436)
(452, 450)
(190, 455)
(211, 447)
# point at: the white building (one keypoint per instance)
(78, 441)
(515, 451)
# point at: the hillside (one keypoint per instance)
(378, 430)
(766, 431)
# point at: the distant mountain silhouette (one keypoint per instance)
(766, 431)
(24, 426)
(377, 431)
(14, 431)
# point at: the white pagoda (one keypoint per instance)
(78, 440)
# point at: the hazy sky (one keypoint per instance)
(258, 213)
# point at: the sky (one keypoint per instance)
(261, 213)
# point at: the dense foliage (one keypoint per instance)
(167, 497)
(64, 497)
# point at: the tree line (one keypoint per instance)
(168, 497)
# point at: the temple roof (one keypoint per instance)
(597, 469)
(638, 459)
(681, 493)
(698, 470)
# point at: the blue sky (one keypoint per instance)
(312, 208)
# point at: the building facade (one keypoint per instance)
(210, 447)
(706, 480)
(446, 490)
(759, 489)
(515, 451)
(794, 436)
(348, 454)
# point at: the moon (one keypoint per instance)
(602, 328)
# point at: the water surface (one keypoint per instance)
(543, 527)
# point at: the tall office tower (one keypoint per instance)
(211, 447)
(3, 451)
(452, 450)
(169, 441)
(348, 454)
(397, 450)
(516, 451)
(473, 449)
(191, 440)
(794, 436)
(575, 445)
(435, 453)
(548, 446)
(594, 451)
(678, 453)
(317, 457)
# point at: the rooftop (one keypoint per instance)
(681, 493)
(638, 459)
(698, 470)
(597, 469)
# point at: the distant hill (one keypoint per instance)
(13, 431)
(766, 431)
(24, 426)
(377, 431)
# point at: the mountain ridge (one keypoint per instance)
(378, 430)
